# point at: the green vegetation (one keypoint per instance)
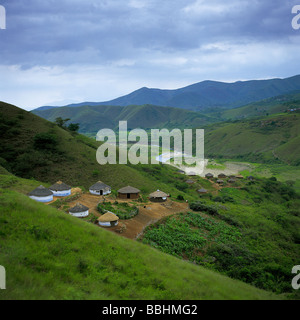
(51, 255)
(93, 118)
(259, 228)
(123, 210)
(273, 139)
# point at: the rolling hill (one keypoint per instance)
(267, 139)
(277, 104)
(94, 118)
(205, 94)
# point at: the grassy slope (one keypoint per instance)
(262, 245)
(262, 108)
(51, 255)
(263, 139)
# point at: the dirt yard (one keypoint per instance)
(132, 228)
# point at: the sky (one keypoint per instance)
(55, 52)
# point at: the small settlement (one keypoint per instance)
(110, 219)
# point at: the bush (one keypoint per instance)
(200, 206)
(45, 141)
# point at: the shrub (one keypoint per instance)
(45, 141)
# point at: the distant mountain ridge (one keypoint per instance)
(204, 94)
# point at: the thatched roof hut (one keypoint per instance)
(158, 196)
(209, 175)
(239, 176)
(60, 189)
(129, 193)
(100, 188)
(191, 173)
(220, 181)
(41, 194)
(190, 181)
(79, 210)
(231, 180)
(108, 219)
(222, 175)
(202, 190)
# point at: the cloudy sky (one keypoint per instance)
(55, 52)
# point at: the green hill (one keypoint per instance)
(94, 118)
(267, 139)
(277, 104)
(32, 147)
(50, 255)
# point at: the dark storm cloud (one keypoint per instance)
(69, 32)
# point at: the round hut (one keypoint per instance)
(232, 180)
(239, 176)
(190, 181)
(100, 189)
(158, 196)
(60, 189)
(222, 176)
(79, 211)
(219, 181)
(128, 193)
(202, 191)
(209, 176)
(41, 194)
(108, 219)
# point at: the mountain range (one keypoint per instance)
(205, 94)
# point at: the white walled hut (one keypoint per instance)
(79, 211)
(109, 219)
(41, 194)
(100, 189)
(60, 189)
(158, 196)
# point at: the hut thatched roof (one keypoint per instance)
(220, 181)
(99, 186)
(209, 175)
(41, 191)
(192, 173)
(222, 175)
(78, 208)
(129, 189)
(202, 190)
(190, 181)
(240, 176)
(60, 186)
(108, 217)
(158, 194)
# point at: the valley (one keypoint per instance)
(243, 230)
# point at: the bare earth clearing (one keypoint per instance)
(149, 213)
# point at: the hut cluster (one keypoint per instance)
(109, 219)
(230, 179)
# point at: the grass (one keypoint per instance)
(51, 255)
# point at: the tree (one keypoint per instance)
(61, 122)
(74, 127)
